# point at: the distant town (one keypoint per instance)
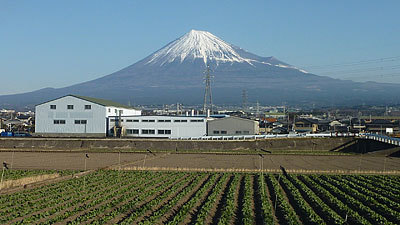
(269, 119)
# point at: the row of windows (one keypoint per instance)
(236, 132)
(242, 132)
(116, 111)
(80, 121)
(76, 121)
(59, 121)
(160, 121)
(147, 131)
(71, 107)
(219, 132)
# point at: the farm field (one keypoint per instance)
(146, 197)
(18, 174)
(76, 161)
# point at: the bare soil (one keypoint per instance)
(76, 161)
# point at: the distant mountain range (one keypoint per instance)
(175, 73)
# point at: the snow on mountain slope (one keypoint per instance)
(197, 45)
(207, 47)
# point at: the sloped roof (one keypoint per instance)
(98, 101)
(102, 102)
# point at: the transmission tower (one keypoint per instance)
(207, 94)
(244, 99)
(258, 109)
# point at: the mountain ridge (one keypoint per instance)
(175, 73)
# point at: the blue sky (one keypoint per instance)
(60, 43)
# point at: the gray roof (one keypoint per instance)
(98, 101)
(102, 102)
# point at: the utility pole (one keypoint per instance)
(84, 176)
(207, 93)
(262, 172)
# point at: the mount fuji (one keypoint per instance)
(175, 73)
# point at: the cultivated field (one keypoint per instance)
(234, 162)
(140, 197)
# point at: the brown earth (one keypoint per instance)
(110, 144)
(76, 161)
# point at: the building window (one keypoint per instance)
(132, 131)
(216, 132)
(223, 132)
(70, 106)
(53, 106)
(164, 131)
(135, 121)
(148, 121)
(238, 132)
(80, 121)
(109, 110)
(88, 107)
(196, 121)
(148, 131)
(246, 132)
(112, 120)
(180, 121)
(160, 121)
(59, 121)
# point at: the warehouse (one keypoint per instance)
(74, 115)
(80, 116)
(158, 126)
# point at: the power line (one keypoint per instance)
(373, 75)
(371, 69)
(355, 63)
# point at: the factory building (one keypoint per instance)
(158, 126)
(232, 126)
(74, 115)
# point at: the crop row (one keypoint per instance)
(134, 197)
(12, 174)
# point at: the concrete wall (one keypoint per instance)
(157, 144)
(232, 126)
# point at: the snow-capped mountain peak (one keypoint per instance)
(197, 45)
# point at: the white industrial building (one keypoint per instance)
(159, 126)
(74, 115)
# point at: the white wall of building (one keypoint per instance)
(114, 111)
(45, 117)
(95, 117)
(193, 127)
